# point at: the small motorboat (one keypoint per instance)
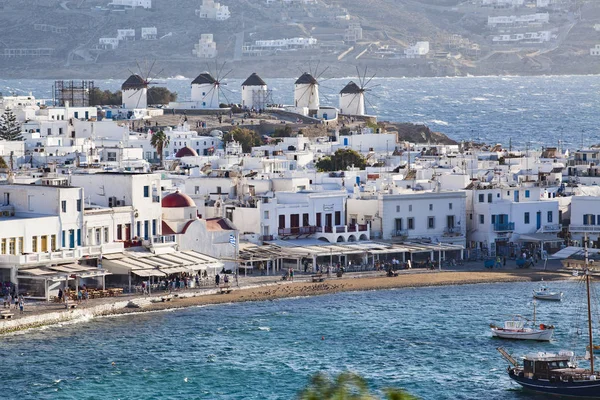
(544, 293)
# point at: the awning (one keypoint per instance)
(540, 237)
(171, 263)
(148, 272)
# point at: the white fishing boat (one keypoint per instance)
(522, 328)
(544, 293)
(520, 331)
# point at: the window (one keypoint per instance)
(78, 205)
(481, 198)
(111, 156)
(3, 246)
(397, 208)
(493, 219)
(450, 221)
(146, 191)
(549, 216)
(146, 230)
(138, 229)
(526, 218)
(449, 206)
(431, 207)
(119, 232)
(430, 222)
(508, 193)
(78, 237)
(53, 242)
(527, 194)
(34, 244)
(411, 223)
(589, 219)
(338, 218)
(106, 235)
(265, 214)
(398, 224)
(49, 131)
(153, 227)
(63, 206)
(20, 248)
(12, 246)
(481, 218)
(305, 220)
(489, 197)
(410, 208)
(196, 189)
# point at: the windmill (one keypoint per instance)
(352, 96)
(306, 89)
(208, 88)
(135, 88)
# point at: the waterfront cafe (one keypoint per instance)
(280, 255)
(43, 282)
(131, 267)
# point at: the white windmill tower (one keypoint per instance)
(135, 92)
(352, 96)
(255, 93)
(207, 88)
(306, 92)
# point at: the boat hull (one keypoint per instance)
(581, 389)
(539, 335)
(550, 296)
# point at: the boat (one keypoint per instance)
(543, 293)
(522, 328)
(558, 373)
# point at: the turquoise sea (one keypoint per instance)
(534, 111)
(434, 341)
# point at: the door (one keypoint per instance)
(538, 219)
(328, 220)
(127, 231)
(71, 238)
(44, 244)
(516, 196)
(146, 229)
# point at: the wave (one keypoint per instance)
(439, 122)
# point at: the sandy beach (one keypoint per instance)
(278, 290)
(261, 288)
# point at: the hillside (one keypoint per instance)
(60, 39)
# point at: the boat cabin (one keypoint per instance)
(545, 365)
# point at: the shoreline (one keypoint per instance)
(273, 291)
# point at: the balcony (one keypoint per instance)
(454, 231)
(585, 228)
(400, 233)
(297, 231)
(349, 233)
(551, 228)
(170, 239)
(506, 227)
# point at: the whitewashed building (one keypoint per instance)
(149, 33)
(211, 9)
(419, 49)
(255, 93)
(147, 4)
(109, 43)
(126, 34)
(135, 93)
(206, 47)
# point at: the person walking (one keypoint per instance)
(21, 304)
(217, 280)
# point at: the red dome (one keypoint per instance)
(186, 152)
(177, 199)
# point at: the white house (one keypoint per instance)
(206, 47)
(109, 43)
(595, 51)
(149, 33)
(585, 219)
(126, 34)
(147, 4)
(255, 93)
(419, 49)
(211, 9)
(205, 91)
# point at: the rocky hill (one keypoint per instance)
(60, 38)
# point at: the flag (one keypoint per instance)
(232, 239)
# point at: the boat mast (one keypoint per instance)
(589, 305)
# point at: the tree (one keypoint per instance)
(341, 160)
(160, 95)
(346, 386)
(3, 163)
(105, 98)
(245, 137)
(10, 129)
(159, 141)
(283, 132)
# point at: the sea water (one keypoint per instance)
(435, 342)
(531, 111)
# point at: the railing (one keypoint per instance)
(452, 231)
(300, 230)
(400, 233)
(584, 228)
(163, 239)
(507, 227)
(552, 228)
